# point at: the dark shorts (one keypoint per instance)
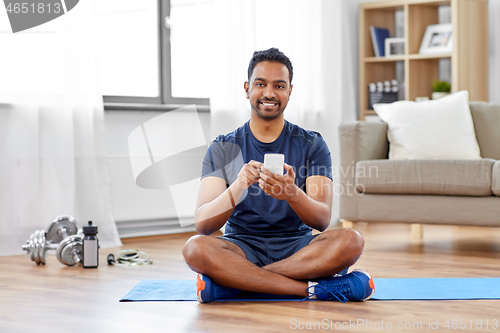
(263, 251)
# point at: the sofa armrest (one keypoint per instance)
(358, 141)
(363, 140)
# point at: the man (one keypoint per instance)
(268, 246)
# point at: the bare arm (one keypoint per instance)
(314, 207)
(215, 203)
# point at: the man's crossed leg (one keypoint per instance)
(308, 272)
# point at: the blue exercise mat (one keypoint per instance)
(385, 289)
(185, 290)
(436, 288)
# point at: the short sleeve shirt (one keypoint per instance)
(257, 212)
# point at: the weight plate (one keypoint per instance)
(36, 237)
(60, 224)
(42, 247)
(31, 247)
(68, 248)
(65, 242)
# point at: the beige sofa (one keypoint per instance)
(455, 192)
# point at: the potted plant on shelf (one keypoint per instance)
(440, 89)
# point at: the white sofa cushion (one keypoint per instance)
(437, 129)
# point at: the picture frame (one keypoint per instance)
(394, 46)
(438, 38)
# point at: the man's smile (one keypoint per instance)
(268, 104)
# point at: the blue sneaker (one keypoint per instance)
(208, 291)
(342, 272)
(355, 286)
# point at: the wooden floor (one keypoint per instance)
(56, 298)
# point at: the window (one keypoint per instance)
(154, 52)
(189, 42)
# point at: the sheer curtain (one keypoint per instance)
(314, 35)
(52, 130)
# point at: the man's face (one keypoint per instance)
(269, 89)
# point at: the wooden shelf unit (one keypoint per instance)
(469, 58)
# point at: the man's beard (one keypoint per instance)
(266, 115)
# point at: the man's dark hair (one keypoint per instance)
(273, 54)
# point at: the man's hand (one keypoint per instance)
(216, 202)
(249, 174)
(277, 186)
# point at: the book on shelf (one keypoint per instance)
(378, 40)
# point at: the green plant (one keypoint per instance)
(441, 86)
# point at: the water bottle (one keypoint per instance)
(90, 246)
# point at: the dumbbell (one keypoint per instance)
(70, 249)
(62, 227)
(37, 246)
(39, 242)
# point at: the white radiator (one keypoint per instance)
(150, 227)
(137, 211)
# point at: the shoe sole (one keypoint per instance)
(200, 286)
(370, 282)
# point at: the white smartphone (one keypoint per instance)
(274, 163)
